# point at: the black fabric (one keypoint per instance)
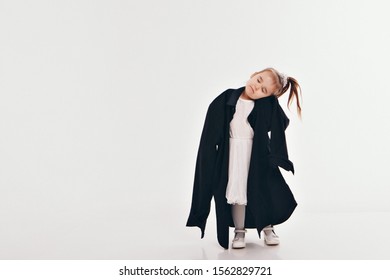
(269, 198)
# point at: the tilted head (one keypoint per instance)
(261, 84)
(269, 82)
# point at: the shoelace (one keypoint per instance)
(273, 234)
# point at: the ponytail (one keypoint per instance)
(290, 83)
(294, 86)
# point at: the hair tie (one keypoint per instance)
(284, 78)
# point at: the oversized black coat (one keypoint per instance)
(269, 198)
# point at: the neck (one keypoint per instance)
(244, 95)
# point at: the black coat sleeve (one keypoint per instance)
(278, 146)
(205, 165)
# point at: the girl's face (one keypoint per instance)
(260, 85)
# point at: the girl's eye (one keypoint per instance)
(258, 80)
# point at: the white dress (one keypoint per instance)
(240, 148)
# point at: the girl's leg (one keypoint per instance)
(238, 214)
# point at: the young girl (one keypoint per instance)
(237, 161)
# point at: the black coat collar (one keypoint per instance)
(233, 97)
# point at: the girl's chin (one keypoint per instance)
(249, 95)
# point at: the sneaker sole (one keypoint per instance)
(271, 244)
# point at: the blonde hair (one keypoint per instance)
(291, 82)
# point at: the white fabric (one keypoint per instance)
(283, 78)
(240, 148)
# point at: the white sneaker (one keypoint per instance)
(270, 237)
(239, 242)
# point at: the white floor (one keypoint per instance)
(310, 236)
(304, 236)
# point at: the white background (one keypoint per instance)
(102, 104)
